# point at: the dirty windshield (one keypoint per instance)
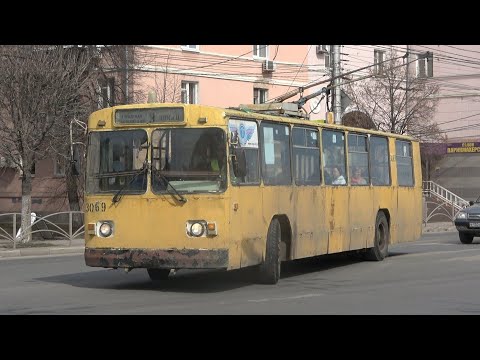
(189, 160)
(116, 160)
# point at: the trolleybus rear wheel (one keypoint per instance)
(379, 251)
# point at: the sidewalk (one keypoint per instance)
(435, 227)
(54, 247)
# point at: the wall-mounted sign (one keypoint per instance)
(465, 147)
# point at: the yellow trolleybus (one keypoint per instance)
(180, 186)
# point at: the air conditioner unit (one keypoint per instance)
(321, 49)
(268, 66)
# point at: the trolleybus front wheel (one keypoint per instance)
(270, 268)
(158, 274)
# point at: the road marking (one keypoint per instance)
(464, 258)
(424, 244)
(440, 252)
(287, 298)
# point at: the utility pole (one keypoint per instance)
(406, 86)
(337, 91)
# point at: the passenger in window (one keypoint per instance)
(327, 174)
(357, 178)
(338, 178)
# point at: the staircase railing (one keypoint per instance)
(446, 202)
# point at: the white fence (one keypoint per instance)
(65, 226)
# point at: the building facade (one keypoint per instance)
(230, 75)
(217, 75)
(456, 71)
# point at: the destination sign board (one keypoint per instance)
(149, 115)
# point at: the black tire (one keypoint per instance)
(379, 251)
(465, 238)
(158, 274)
(270, 268)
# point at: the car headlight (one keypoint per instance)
(461, 215)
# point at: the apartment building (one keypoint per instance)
(456, 71)
(217, 75)
(230, 75)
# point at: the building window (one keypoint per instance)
(189, 92)
(260, 96)
(425, 65)
(190, 47)
(59, 166)
(260, 51)
(32, 167)
(379, 57)
(106, 98)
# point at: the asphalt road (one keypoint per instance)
(436, 275)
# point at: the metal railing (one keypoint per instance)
(49, 227)
(445, 204)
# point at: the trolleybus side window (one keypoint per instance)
(358, 159)
(276, 154)
(403, 150)
(333, 148)
(243, 141)
(379, 161)
(306, 156)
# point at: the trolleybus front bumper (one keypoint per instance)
(157, 258)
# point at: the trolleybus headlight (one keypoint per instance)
(105, 229)
(461, 215)
(197, 229)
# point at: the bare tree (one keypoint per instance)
(398, 102)
(119, 69)
(167, 84)
(431, 155)
(110, 80)
(39, 94)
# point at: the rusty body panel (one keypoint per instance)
(248, 228)
(360, 213)
(157, 258)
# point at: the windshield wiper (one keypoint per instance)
(117, 197)
(116, 173)
(163, 177)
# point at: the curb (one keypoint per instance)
(42, 251)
